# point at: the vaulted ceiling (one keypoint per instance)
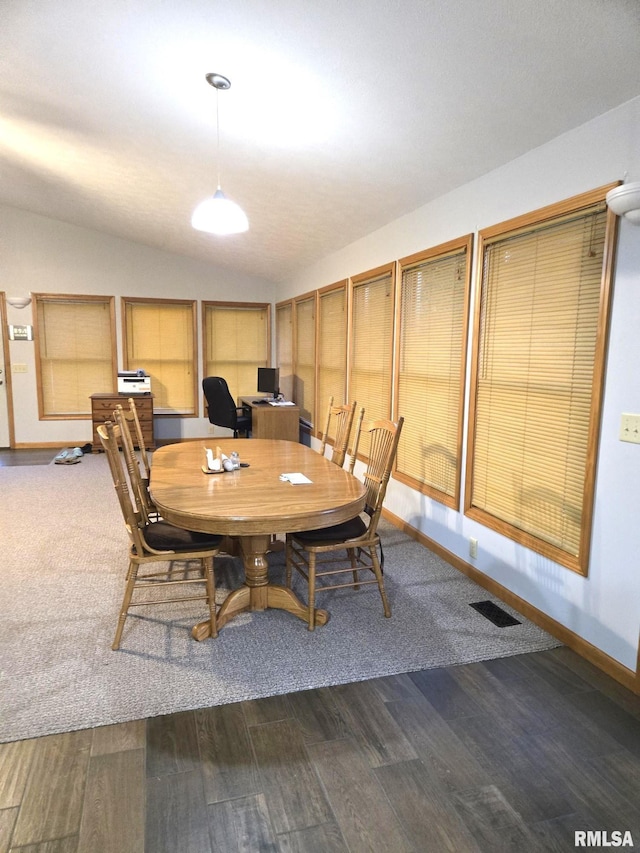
(342, 114)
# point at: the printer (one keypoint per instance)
(134, 382)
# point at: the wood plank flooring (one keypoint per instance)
(30, 456)
(506, 755)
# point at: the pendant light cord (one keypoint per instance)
(218, 130)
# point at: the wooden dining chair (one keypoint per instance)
(139, 479)
(338, 430)
(356, 441)
(350, 548)
(139, 441)
(158, 542)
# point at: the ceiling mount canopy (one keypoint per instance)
(218, 214)
(217, 80)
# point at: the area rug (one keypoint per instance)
(65, 554)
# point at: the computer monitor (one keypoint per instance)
(269, 381)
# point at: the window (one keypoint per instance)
(159, 337)
(539, 353)
(75, 352)
(236, 343)
(304, 383)
(371, 344)
(434, 290)
(332, 349)
(284, 347)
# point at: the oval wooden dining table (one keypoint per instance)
(252, 504)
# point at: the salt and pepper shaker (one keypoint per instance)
(235, 459)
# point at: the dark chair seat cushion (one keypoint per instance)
(351, 529)
(166, 537)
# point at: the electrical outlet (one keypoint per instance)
(473, 547)
(212, 429)
(630, 428)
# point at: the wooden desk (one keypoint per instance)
(253, 503)
(281, 422)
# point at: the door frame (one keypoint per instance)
(4, 333)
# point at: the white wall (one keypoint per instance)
(44, 255)
(603, 608)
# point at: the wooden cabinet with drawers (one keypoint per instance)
(102, 406)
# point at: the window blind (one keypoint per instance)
(75, 352)
(236, 343)
(305, 357)
(159, 338)
(284, 347)
(540, 318)
(432, 336)
(332, 351)
(371, 347)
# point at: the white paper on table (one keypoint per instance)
(281, 403)
(295, 479)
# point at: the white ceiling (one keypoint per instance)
(342, 114)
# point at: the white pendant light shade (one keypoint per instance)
(19, 301)
(219, 215)
(625, 201)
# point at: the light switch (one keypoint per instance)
(630, 428)
(19, 368)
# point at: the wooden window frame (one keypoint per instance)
(71, 298)
(443, 250)
(286, 382)
(142, 300)
(355, 282)
(264, 307)
(307, 406)
(322, 405)
(539, 218)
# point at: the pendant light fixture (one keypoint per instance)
(218, 214)
(625, 201)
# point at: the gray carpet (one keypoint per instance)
(64, 555)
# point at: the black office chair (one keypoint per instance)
(222, 408)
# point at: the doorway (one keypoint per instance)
(5, 379)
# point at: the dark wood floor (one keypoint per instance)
(35, 456)
(508, 755)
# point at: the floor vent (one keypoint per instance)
(495, 614)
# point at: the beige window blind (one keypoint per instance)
(371, 345)
(431, 360)
(284, 347)
(160, 339)
(538, 354)
(332, 350)
(304, 385)
(75, 352)
(236, 344)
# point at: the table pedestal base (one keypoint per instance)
(257, 593)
